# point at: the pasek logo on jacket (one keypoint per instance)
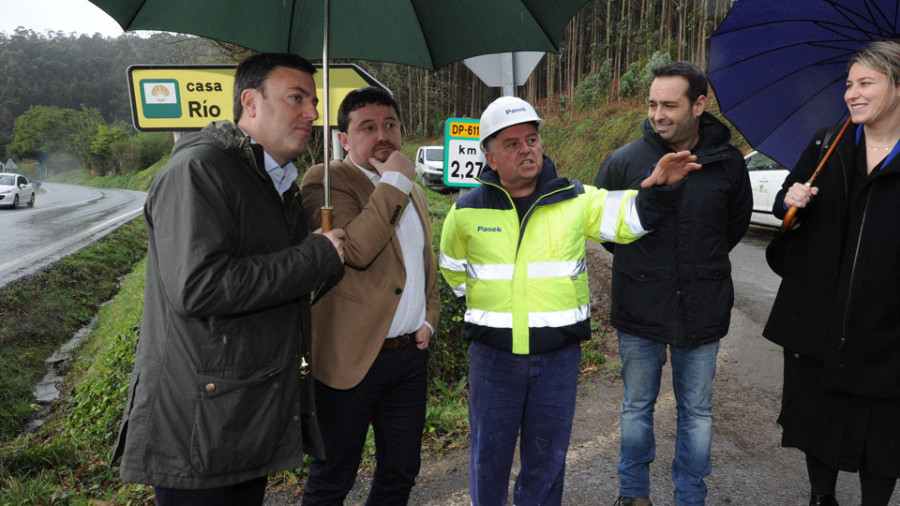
(488, 229)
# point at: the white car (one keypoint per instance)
(766, 178)
(430, 166)
(15, 189)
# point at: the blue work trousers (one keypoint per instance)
(530, 398)
(693, 370)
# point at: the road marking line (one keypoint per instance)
(64, 242)
(36, 209)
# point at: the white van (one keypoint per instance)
(430, 166)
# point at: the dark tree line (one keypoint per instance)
(78, 72)
(608, 40)
(606, 46)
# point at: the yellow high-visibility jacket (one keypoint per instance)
(526, 283)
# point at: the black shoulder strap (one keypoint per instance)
(826, 141)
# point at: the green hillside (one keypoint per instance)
(66, 460)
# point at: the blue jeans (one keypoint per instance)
(392, 397)
(693, 370)
(509, 393)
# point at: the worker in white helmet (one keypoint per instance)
(515, 248)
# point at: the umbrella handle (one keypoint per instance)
(327, 214)
(790, 218)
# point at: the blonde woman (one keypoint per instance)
(837, 312)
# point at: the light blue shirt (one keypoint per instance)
(282, 175)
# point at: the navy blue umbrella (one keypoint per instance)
(779, 67)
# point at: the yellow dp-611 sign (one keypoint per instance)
(167, 97)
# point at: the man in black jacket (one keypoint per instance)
(672, 289)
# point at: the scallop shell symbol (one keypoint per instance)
(160, 92)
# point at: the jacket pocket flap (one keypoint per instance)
(647, 272)
(221, 382)
(713, 271)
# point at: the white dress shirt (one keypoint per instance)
(410, 315)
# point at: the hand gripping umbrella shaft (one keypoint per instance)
(790, 219)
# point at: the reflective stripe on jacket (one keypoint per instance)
(526, 284)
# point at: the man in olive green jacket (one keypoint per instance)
(221, 394)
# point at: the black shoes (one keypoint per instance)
(633, 501)
(822, 500)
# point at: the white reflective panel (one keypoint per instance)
(491, 271)
(559, 318)
(566, 268)
(489, 318)
(452, 264)
(459, 290)
(632, 219)
(610, 218)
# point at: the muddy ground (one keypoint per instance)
(749, 465)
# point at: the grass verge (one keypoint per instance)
(40, 312)
(66, 460)
(63, 459)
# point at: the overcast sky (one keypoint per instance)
(79, 16)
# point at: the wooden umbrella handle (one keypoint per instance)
(327, 214)
(790, 218)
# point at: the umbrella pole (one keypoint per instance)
(790, 219)
(327, 208)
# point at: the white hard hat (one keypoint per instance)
(505, 112)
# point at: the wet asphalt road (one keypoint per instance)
(64, 219)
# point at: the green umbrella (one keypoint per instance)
(422, 33)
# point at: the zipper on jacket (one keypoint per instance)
(843, 173)
(513, 204)
(862, 226)
(531, 211)
(304, 363)
(268, 180)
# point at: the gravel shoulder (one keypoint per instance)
(749, 465)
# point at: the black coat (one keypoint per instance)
(674, 284)
(839, 299)
(216, 396)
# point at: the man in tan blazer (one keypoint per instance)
(372, 325)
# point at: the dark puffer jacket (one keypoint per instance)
(674, 284)
(216, 396)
